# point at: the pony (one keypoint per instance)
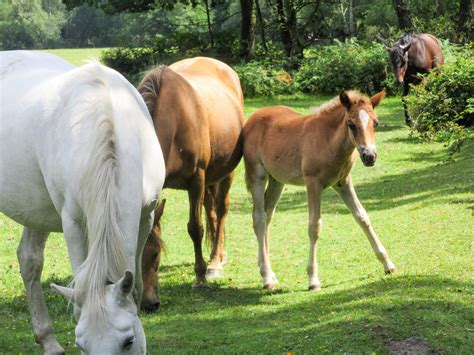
(197, 109)
(317, 150)
(411, 55)
(79, 155)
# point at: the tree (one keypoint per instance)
(463, 26)
(402, 10)
(247, 29)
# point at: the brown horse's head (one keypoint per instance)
(151, 263)
(362, 121)
(399, 59)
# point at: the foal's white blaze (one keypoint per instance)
(364, 118)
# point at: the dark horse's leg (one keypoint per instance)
(405, 89)
(221, 202)
(195, 227)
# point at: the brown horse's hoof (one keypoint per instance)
(314, 288)
(214, 273)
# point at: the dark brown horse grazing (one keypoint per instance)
(318, 150)
(411, 55)
(197, 109)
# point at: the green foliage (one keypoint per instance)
(329, 69)
(28, 24)
(442, 105)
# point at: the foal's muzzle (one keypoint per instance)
(368, 156)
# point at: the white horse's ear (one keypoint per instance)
(124, 286)
(65, 291)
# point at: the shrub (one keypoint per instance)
(129, 61)
(329, 69)
(259, 79)
(442, 106)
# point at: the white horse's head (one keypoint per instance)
(120, 332)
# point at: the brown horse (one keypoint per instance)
(411, 55)
(197, 109)
(318, 150)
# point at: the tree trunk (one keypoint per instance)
(209, 27)
(404, 15)
(283, 27)
(351, 18)
(463, 27)
(262, 27)
(247, 29)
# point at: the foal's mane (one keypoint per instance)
(106, 258)
(335, 103)
(149, 87)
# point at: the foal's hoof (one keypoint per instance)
(314, 288)
(270, 286)
(200, 285)
(391, 270)
(215, 272)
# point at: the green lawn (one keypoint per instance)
(76, 56)
(421, 208)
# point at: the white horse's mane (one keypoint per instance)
(106, 259)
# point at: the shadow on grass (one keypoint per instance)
(231, 319)
(361, 319)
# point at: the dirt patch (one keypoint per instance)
(411, 346)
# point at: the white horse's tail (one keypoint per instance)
(106, 259)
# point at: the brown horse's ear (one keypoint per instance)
(159, 210)
(377, 98)
(405, 48)
(345, 100)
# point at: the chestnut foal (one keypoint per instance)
(318, 150)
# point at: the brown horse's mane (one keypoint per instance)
(149, 87)
(335, 103)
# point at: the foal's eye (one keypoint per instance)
(352, 126)
(376, 123)
(127, 344)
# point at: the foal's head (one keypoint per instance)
(362, 120)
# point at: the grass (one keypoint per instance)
(76, 56)
(421, 208)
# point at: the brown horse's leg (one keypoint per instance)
(348, 195)
(218, 255)
(315, 224)
(195, 227)
(31, 257)
(405, 89)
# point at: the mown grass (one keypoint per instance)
(422, 210)
(76, 56)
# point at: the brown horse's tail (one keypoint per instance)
(149, 87)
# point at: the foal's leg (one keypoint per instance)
(315, 224)
(256, 180)
(30, 254)
(218, 255)
(272, 196)
(348, 195)
(195, 227)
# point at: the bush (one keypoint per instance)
(443, 105)
(130, 62)
(350, 65)
(259, 79)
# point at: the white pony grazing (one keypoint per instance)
(78, 154)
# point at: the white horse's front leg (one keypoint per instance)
(315, 225)
(347, 192)
(31, 257)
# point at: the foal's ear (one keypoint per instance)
(377, 98)
(345, 100)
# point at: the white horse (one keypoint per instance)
(78, 154)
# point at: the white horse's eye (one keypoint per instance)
(127, 344)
